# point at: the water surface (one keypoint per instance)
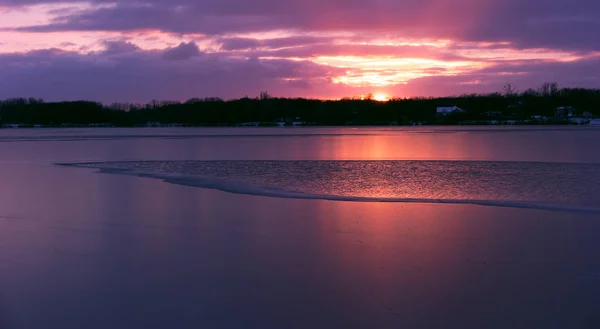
(556, 186)
(80, 249)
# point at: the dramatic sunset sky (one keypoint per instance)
(177, 49)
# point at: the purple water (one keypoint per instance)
(80, 249)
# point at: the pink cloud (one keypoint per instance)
(230, 48)
(143, 75)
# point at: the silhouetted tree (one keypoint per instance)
(264, 95)
(549, 89)
(358, 110)
(509, 90)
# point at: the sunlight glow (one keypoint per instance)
(381, 97)
(385, 71)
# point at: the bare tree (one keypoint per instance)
(530, 92)
(264, 95)
(554, 89)
(545, 89)
(33, 100)
(194, 100)
(510, 90)
(549, 89)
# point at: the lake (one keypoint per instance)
(383, 227)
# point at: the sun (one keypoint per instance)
(381, 97)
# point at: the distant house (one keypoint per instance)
(580, 121)
(579, 117)
(493, 114)
(291, 122)
(565, 111)
(540, 118)
(445, 111)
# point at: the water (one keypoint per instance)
(557, 186)
(514, 246)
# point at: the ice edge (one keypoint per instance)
(236, 187)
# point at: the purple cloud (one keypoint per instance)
(184, 51)
(120, 47)
(219, 58)
(230, 44)
(233, 44)
(58, 75)
(522, 74)
(554, 24)
(324, 49)
(54, 74)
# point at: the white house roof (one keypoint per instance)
(449, 109)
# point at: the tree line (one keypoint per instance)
(266, 109)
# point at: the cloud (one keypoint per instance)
(119, 47)
(551, 24)
(230, 44)
(184, 51)
(316, 50)
(313, 48)
(236, 43)
(523, 74)
(295, 41)
(143, 75)
(67, 44)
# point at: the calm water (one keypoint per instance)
(262, 228)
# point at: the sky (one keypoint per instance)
(137, 51)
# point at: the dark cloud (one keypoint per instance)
(299, 83)
(182, 52)
(55, 74)
(119, 47)
(123, 71)
(143, 75)
(230, 44)
(295, 41)
(550, 23)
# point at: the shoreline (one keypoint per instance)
(94, 126)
